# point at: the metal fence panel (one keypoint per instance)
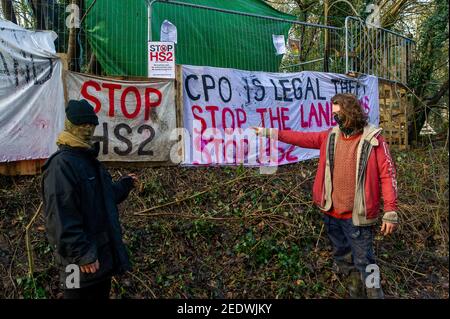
(313, 47)
(377, 51)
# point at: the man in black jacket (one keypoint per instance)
(80, 203)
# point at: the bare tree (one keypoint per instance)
(72, 47)
(8, 10)
(42, 11)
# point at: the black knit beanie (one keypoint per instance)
(81, 112)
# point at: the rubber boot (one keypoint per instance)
(344, 266)
(375, 293)
(355, 285)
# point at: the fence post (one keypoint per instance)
(346, 44)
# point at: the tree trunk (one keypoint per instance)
(36, 6)
(93, 66)
(421, 115)
(43, 12)
(429, 49)
(8, 11)
(72, 48)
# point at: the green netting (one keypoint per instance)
(117, 32)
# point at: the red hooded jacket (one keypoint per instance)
(375, 176)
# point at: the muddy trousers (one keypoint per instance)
(352, 245)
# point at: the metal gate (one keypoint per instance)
(377, 51)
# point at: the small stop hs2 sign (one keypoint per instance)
(161, 52)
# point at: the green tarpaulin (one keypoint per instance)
(117, 31)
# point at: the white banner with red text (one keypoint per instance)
(136, 117)
(221, 105)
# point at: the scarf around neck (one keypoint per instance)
(75, 135)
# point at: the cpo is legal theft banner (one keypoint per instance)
(136, 118)
(220, 106)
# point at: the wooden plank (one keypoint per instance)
(124, 78)
(138, 164)
(179, 107)
(63, 57)
(30, 167)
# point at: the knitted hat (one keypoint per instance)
(81, 112)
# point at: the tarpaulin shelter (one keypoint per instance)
(117, 32)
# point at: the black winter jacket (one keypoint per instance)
(82, 222)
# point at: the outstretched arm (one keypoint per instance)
(302, 139)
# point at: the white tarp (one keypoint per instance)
(220, 105)
(136, 117)
(31, 94)
(168, 32)
(279, 43)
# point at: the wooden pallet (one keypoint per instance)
(394, 109)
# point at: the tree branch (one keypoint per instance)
(433, 100)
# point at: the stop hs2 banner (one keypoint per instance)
(136, 118)
(221, 105)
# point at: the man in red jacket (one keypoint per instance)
(354, 165)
